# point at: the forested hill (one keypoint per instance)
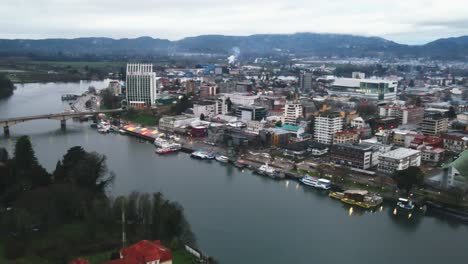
(301, 44)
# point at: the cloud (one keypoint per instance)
(414, 21)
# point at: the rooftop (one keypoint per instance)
(400, 153)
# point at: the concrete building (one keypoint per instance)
(305, 81)
(435, 122)
(241, 98)
(358, 156)
(141, 87)
(252, 112)
(254, 126)
(210, 107)
(169, 123)
(292, 111)
(346, 136)
(405, 115)
(370, 89)
(430, 154)
(207, 90)
(454, 143)
(325, 126)
(275, 137)
(358, 123)
(399, 159)
(115, 87)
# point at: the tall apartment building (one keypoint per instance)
(292, 111)
(435, 122)
(141, 85)
(325, 126)
(399, 159)
(305, 81)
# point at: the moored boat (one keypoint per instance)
(361, 198)
(169, 148)
(406, 204)
(336, 195)
(222, 159)
(315, 182)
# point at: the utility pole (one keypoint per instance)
(123, 224)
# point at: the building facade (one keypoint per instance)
(399, 159)
(370, 89)
(358, 156)
(141, 87)
(325, 126)
(434, 123)
(247, 113)
(292, 111)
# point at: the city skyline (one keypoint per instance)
(418, 22)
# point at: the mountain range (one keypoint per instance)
(299, 44)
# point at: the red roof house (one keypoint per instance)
(144, 252)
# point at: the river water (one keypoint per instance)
(237, 216)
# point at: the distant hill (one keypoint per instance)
(306, 44)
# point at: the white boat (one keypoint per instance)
(160, 142)
(309, 180)
(405, 204)
(222, 159)
(323, 184)
(265, 169)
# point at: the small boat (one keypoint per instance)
(160, 142)
(405, 204)
(104, 129)
(121, 131)
(265, 169)
(222, 159)
(169, 148)
(362, 198)
(93, 125)
(240, 164)
(202, 154)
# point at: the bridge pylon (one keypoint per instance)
(6, 131)
(63, 124)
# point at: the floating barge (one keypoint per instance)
(145, 133)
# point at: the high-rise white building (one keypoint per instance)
(141, 85)
(292, 111)
(325, 126)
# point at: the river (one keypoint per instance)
(237, 216)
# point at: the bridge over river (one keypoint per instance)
(62, 117)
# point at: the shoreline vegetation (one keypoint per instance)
(23, 70)
(56, 217)
(6, 86)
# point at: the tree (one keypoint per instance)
(182, 105)
(411, 83)
(406, 179)
(279, 123)
(6, 86)
(84, 169)
(366, 108)
(24, 153)
(202, 116)
(451, 113)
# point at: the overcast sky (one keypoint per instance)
(403, 21)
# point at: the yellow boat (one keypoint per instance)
(336, 195)
(361, 198)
